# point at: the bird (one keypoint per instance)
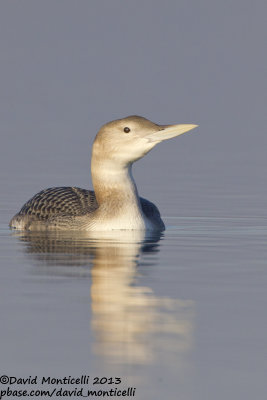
(114, 204)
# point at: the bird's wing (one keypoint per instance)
(60, 201)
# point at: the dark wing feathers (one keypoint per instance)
(60, 201)
(149, 209)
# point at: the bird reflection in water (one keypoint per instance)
(131, 325)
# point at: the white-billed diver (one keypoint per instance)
(114, 204)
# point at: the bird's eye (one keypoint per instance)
(126, 129)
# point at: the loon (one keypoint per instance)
(114, 204)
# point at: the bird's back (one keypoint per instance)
(55, 202)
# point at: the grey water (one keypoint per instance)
(179, 313)
(176, 315)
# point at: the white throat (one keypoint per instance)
(117, 197)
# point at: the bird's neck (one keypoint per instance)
(114, 185)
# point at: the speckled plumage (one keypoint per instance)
(60, 201)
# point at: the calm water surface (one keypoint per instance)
(178, 314)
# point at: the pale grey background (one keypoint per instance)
(66, 68)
